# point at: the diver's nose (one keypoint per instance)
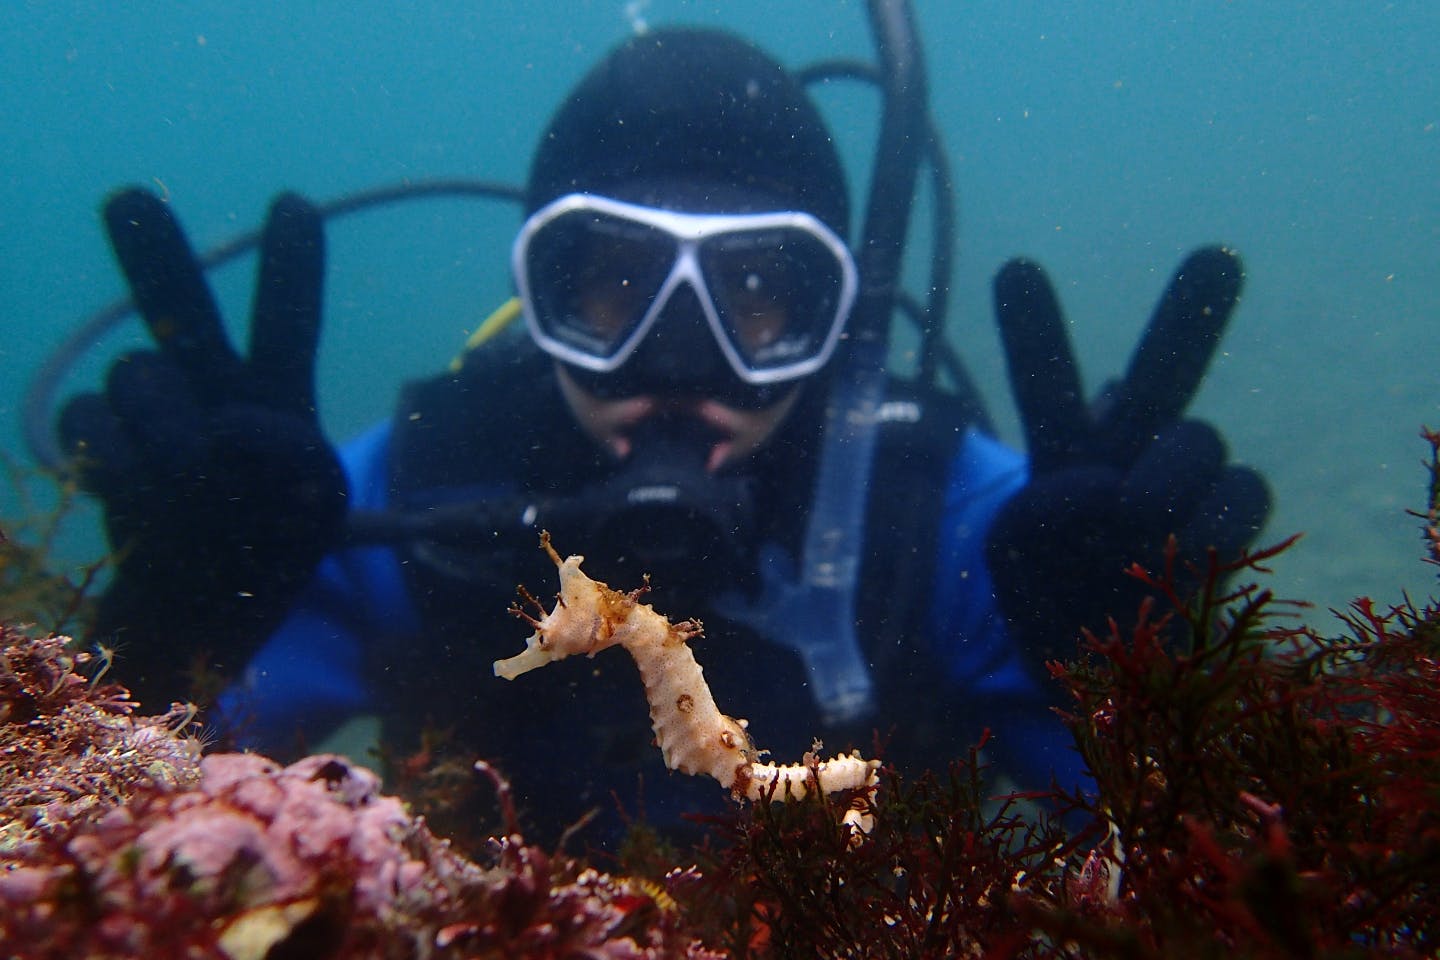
(679, 354)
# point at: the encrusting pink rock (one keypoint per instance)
(118, 840)
(276, 826)
(243, 860)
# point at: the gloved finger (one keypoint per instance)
(170, 292)
(160, 415)
(1043, 375)
(96, 440)
(1064, 530)
(1174, 352)
(1173, 474)
(286, 320)
(282, 457)
(1232, 516)
(1081, 507)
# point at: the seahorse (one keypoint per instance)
(693, 735)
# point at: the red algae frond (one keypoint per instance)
(72, 744)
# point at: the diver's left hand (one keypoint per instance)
(1110, 481)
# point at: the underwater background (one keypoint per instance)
(1104, 140)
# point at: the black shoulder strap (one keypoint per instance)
(921, 431)
(473, 445)
(458, 431)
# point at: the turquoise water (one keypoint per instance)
(1103, 142)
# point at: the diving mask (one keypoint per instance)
(595, 275)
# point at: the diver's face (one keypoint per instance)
(676, 383)
(732, 434)
(690, 329)
(683, 325)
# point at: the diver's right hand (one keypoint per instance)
(221, 493)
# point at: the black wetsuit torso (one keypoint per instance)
(577, 732)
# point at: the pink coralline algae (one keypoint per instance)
(71, 744)
(235, 856)
(253, 855)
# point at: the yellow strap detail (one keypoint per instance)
(493, 324)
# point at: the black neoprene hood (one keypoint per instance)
(691, 111)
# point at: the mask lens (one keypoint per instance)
(777, 293)
(775, 287)
(592, 277)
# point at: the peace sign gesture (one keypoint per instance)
(221, 493)
(1111, 480)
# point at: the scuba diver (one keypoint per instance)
(673, 404)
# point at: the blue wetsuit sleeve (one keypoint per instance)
(309, 676)
(1029, 741)
(983, 475)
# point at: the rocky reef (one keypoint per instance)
(120, 840)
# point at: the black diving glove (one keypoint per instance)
(221, 493)
(1111, 481)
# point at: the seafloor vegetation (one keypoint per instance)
(1262, 791)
